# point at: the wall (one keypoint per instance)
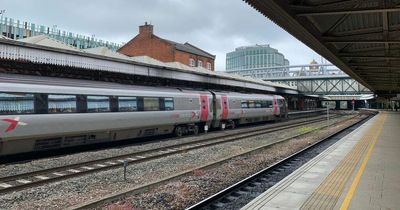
(184, 57)
(151, 46)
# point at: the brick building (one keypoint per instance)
(146, 43)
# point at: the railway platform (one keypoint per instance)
(360, 171)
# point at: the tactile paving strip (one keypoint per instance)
(329, 191)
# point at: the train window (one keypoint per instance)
(258, 104)
(98, 104)
(61, 103)
(169, 104)
(252, 104)
(151, 104)
(269, 104)
(244, 104)
(263, 104)
(16, 103)
(127, 104)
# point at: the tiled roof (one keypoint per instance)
(187, 47)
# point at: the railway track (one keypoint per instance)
(259, 182)
(41, 177)
(140, 189)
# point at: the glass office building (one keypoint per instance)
(15, 29)
(254, 57)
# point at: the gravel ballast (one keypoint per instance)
(175, 195)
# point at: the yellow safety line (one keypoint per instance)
(356, 181)
(328, 192)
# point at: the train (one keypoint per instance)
(41, 114)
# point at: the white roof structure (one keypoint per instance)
(4, 37)
(147, 60)
(104, 51)
(118, 62)
(178, 65)
(44, 40)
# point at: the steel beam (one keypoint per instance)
(350, 11)
(361, 41)
(363, 33)
(385, 24)
(373, 66)
(370, 57)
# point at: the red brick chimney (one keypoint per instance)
(146, 29)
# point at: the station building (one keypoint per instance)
(254, 57)
(146, 43)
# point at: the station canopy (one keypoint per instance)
(38, 53)
(362, 38)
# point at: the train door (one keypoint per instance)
(282, 107)
(225, 108)
(275, 105)
(204, 108)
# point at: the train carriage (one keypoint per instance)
(38, 114)
(238, 108)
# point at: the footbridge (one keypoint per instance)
(310, 79)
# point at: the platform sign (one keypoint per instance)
(330, 104)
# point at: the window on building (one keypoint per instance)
(16, 103)
(98, 104)
(151, 104)
(61, 103)
(169, 104)
(192, 63)
(200, 63)
(208, 66)
(127, 104)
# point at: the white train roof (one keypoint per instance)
(40, 84)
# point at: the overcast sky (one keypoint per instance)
(216, 26)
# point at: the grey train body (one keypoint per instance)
(39, 115)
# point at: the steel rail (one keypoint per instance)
(248, 180)
(139, 189)
(40, 177)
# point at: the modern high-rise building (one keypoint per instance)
(254, 57)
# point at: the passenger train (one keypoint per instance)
(39, 114)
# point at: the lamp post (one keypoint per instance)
(327, 113)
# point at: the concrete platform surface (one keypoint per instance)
(360, 171)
